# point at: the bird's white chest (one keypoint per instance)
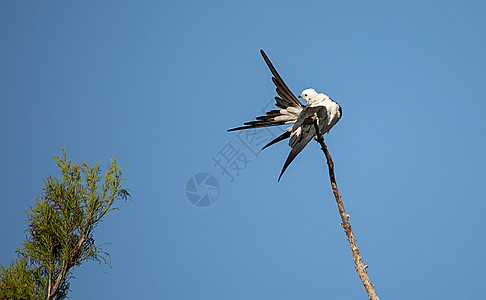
(333, 113)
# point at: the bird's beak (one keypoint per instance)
(299, 97)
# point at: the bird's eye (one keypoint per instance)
(305, 95)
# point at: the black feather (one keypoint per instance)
(282, 89)
(279, 138)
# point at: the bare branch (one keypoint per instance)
(358, 260)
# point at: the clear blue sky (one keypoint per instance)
(158, 83)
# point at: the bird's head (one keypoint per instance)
(310, 96)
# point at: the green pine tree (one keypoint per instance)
(60, 230)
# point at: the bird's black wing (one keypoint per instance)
(282, 89)
(303, 131)
(272, 118)
(289, 104)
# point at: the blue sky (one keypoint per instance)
(158, 83)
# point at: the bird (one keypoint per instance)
(318, 106)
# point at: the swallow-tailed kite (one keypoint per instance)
(319, 105)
